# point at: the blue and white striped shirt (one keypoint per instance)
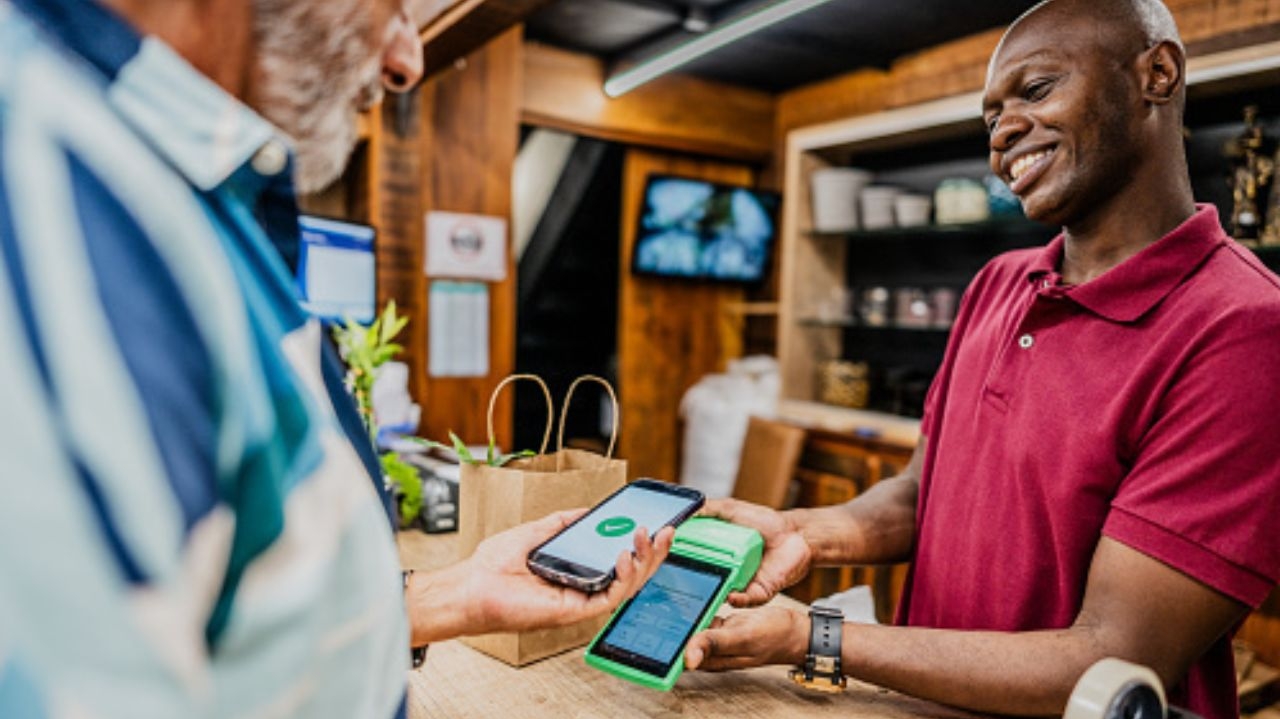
(188, 521)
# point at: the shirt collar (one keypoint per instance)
(195, 125)
(1129, 290)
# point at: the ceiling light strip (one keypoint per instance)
(713, 40)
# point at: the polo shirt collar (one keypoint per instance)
(197, 127)
(1129, 290)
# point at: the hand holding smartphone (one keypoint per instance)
(582, 555)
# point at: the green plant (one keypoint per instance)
(403, 476)
(365, 349)
(492, 457)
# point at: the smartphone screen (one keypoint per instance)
(594, 542)
(651, 630)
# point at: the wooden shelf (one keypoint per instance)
(883, 426)
(753, 309)
(1012, 225)
(854, 323)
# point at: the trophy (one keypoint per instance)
(1251, 170)
(1271, 232)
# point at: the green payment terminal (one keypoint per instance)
(644, 640)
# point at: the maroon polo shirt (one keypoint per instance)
(1143, 405)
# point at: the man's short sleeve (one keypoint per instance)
(1204, 488)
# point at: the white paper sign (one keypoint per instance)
(458, 329)
(472, 247)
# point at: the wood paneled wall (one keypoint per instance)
(451, 146)
(564, 90)
(471, 125)
(398, 151)
(670, 332)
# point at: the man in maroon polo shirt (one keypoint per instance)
(1096, 474)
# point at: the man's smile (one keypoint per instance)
(1027, 168)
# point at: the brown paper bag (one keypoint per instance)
(494, 499)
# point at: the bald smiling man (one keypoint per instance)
(1096, 475)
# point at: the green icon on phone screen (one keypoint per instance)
(616, 526)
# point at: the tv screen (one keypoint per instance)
(336, 269)
(702, 230)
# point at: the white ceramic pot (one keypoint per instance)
(835, 193)
(877, 207)
(912, 210)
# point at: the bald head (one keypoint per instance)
(1117, 32)
(1122, 28)
(1147, 20)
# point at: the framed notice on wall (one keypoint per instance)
(469, 247)
(458, 329)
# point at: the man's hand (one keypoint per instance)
(787, 556)
(770, 635)
(503, 595)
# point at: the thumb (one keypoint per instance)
(696, 651)
(704, 644)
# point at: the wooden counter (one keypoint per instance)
(458, 681)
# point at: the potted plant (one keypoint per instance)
(365, 350)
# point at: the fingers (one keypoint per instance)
(724, 508)
(715, 650)
(625, 567)
(568, 516)
(635, 567)
(697, 649)
(754, 595)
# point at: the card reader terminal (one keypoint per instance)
(644, 641)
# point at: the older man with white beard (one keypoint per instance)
(190, 513)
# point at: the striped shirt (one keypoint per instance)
(188, 522)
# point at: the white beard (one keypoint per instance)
(317, 64)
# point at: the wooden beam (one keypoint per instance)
(470, 127)
(564, 91)
(467, 25)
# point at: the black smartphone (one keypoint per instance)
(583, 554)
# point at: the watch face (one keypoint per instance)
(818, 610)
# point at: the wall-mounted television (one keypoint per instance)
(706, 231)
(336, 275)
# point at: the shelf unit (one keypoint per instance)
(816, 266)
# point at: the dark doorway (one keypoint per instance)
(567, 311)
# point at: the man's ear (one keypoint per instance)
(1164, 72)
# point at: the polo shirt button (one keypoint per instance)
(270, 159)
(1026, 341)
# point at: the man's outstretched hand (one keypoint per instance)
(787, 556)
(497, 592)
(769, 635)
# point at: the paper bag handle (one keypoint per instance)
(493, 399)
(564, 412)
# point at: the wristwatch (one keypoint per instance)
(821, 670)
(417, 655)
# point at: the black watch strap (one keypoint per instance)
(417, 655)
(822, 670)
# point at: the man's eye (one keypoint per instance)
(992, 123)
(1036, 90)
